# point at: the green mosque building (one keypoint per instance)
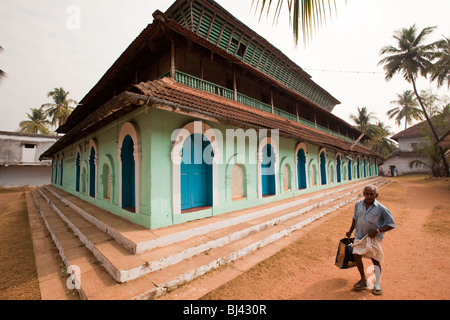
(201, 116)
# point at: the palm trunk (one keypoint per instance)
(436, 137)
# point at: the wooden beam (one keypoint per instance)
(172, 59)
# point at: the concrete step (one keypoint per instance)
(138, 239)
(151, 272)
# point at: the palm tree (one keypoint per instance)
(362, 120)
(407, 109)
(380, 142)
(2, 73)
(37, 122)
(411, 58)
(60, 110)
(306, 15)
(432, 102)
(441, 69)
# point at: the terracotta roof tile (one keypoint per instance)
(232, 112)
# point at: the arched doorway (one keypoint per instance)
(268, 171)
(301, 169)
(349, 170)
(364, 167)
(128, 174)
(338, 168)
(323, 168)
(62, 172)
(77, 172)
(196, 173)
(92, 171)
(358, 174)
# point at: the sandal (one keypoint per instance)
(360, 285)
(377, 292)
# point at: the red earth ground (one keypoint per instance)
(417, 253)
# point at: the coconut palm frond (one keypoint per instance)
(305, 16)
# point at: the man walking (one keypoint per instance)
(370, 221)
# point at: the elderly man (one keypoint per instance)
(370, 219)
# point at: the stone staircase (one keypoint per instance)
(117, 259)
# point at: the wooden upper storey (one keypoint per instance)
(210, 21)
(166, 48)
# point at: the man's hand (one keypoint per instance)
(373, 233)
(349, 234)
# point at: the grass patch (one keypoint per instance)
(439, 222)
(18, 279)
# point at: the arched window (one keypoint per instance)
(365, 167)
(237, 182)
(84, 180)
(331, 172)
(106, 177)
(313, 174)
(286, 177)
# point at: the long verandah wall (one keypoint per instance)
(133, 168)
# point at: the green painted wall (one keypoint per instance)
(155, 128)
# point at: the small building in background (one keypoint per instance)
(19, 159)
(398, 162)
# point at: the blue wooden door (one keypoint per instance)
(196, 173)
(268, 171)
(78, 172)
(92, 172)
(128, 174)
(349, 170)
(357, 169)
(338, 168)
(323, 170)
(301, 169)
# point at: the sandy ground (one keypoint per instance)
(417, 253)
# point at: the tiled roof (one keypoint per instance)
(169, 95)
(185, 99)
(417, 130)
(440, 123)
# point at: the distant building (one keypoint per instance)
(407, 140)
(19, 159)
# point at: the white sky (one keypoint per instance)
(41, 52)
